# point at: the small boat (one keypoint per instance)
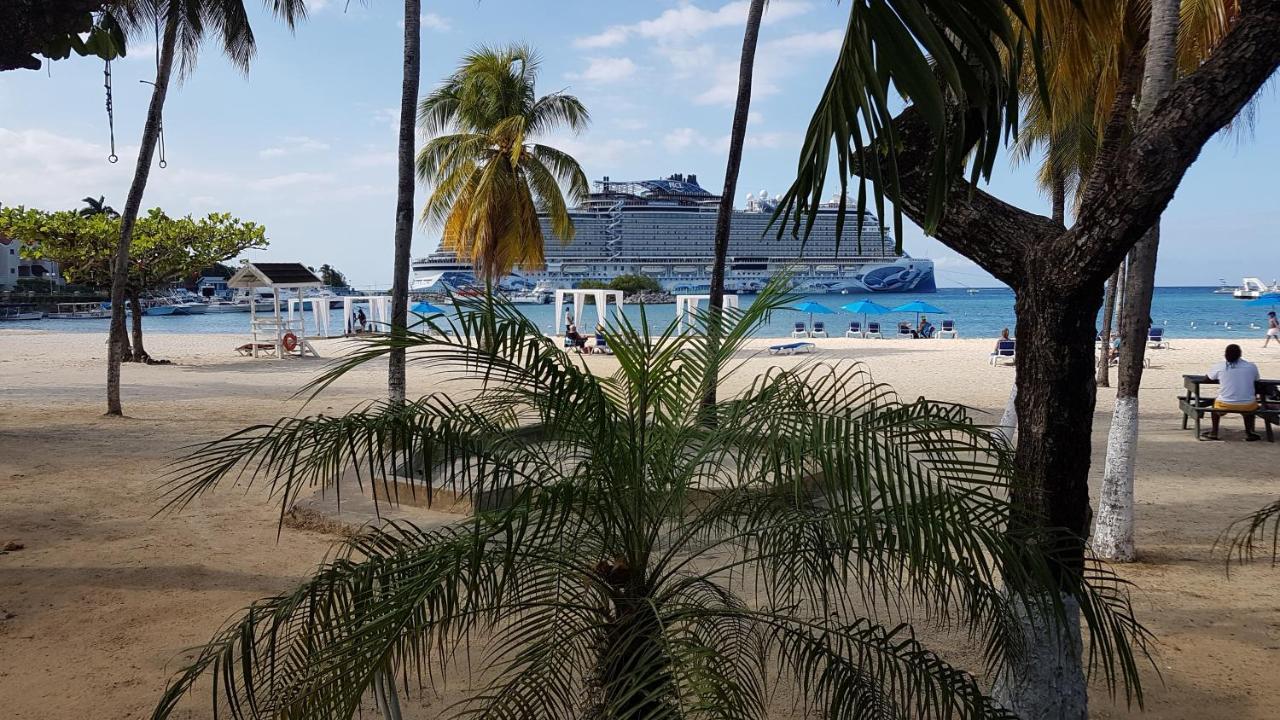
(20, 314)
(972, 291)
(81, 311)
(530, 297)
(159, 310)
(226, 306)
(190, 308)
(1251, 288)
(1224, 288)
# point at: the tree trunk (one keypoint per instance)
(1055, 399)
(404, 195)
(139, 353)
(1113, 537)
(724, 214)
(120, 265)
(1058, 197)
(1108, 314)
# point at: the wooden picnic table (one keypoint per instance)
(1194, 405)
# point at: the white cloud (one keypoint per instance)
(432, 21)
(374, 158)
(293, 145)
(276, 182)
(775, 59)
(689, 21)
(682, 138)
(605, 70)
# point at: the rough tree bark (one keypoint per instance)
(141, 172)
(1058, 276)
(139, 353)
(1113, 535)
(404, 194)
(724, 214)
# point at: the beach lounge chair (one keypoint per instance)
(1005, 349)
(819, 329)
(855, 330)
(948, 329)
(873, 330)
(801, 331)
(602, 345)
(1155, 338)
(791, 348)
(904, 329)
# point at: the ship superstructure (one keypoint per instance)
(665, 229)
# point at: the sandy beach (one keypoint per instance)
(100, 603)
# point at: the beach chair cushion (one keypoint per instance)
(791, 348)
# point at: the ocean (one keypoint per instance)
(1192, 312)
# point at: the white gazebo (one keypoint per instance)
(379, 310)
(602, 299)
(319, 307)
(687, 306)
(272, 334)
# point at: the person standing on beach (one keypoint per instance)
(1273, 329)
(1238, 378)
(568, 320)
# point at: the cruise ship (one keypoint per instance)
(665, 229)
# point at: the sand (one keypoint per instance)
(98, 607)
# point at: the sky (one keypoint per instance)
(305, 142)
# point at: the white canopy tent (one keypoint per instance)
(269, 335)
(602, 299)
(319, 307)
(379, 310)
(687, 305)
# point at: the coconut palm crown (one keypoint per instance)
(640, 563)
(489, 178)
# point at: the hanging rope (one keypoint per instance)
(163, 163)
(111, 115)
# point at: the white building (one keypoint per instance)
(8, 262)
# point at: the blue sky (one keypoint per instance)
(304, 144)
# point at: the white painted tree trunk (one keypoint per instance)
(1009, 420)
(1113, 528)
(1114, 525)
(1046, 682)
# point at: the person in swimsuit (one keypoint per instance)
(1273, 329)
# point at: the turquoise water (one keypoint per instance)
(1184, 312)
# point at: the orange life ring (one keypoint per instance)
(290, 342)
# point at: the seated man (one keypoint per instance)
(1238, 393)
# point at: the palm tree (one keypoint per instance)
(404, 191)
(490, 181)
(185, 25)
(97, 207)
(644, 564)
(724, 214)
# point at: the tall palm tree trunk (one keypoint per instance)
(404, 194)
(141, 172)
(1113, 532)
(1108, 315)
(1058, 196)
(724, 214)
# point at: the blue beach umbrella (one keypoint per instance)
(917, 307)
(865, 307)
(811, 307)
(425, 308)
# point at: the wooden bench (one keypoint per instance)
(1194, 406)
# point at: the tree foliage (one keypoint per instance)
(164, 250)
(332, 276)
(644, 564)
(489, 178)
